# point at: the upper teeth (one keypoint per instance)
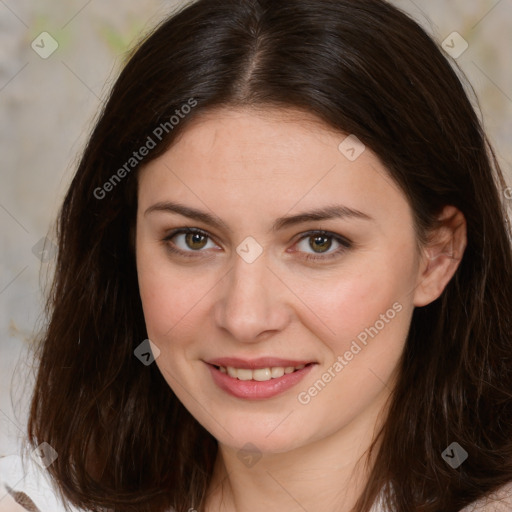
(259, 374)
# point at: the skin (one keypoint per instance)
(249, 168)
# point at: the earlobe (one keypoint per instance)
(441, 256)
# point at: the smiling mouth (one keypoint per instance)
(260, 374)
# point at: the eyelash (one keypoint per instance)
(344, 243)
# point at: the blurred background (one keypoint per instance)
(58, 61)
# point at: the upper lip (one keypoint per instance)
(260, 362)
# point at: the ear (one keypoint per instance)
(441, 255)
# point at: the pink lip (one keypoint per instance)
(252, 364)
(256, 390)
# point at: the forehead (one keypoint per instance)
(266, 161)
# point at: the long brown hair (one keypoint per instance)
(124, 441)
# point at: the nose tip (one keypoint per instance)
(250, 306)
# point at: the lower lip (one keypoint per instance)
(257, 390)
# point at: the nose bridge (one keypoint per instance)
(248, 304)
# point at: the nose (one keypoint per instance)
(252, 303)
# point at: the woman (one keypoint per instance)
(284, 276)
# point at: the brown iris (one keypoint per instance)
(195, 240)
(321, 242)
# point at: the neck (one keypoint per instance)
(327, 474)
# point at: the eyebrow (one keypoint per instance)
(325, 213)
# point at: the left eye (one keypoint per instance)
(318, 243)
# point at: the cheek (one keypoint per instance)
(168, 301)
(345, 306)
(365, 321)
(168, 294)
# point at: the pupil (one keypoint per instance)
(195, 238)
(323, 243)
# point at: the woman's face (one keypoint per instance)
(302, 252)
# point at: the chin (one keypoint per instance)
(263, 439)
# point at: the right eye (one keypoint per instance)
(186, 241)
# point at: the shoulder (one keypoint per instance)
(498, 501)
(25, 486)
(12, 501)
